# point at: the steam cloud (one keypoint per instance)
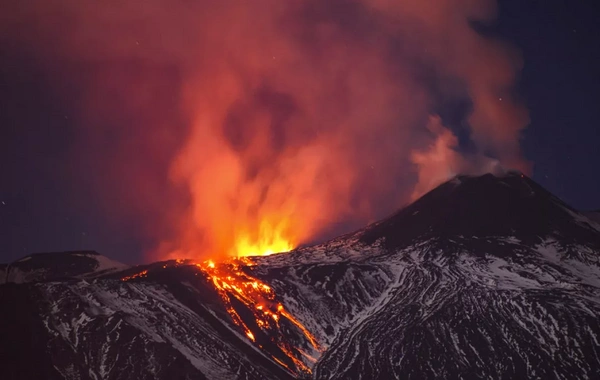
(230, 126)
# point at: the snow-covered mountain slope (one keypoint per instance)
(109, 321)
(328, 298)
(484, 277)
(168, 324)
(528, 313)
(49, 266)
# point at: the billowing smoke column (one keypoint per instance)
(246, 127)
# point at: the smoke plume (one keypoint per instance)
(243, 127)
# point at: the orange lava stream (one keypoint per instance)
(232, 283)
(143, 273)
(307, 334)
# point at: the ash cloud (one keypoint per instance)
(213, 127)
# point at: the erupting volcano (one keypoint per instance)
(241, 128)
(465, 282)
(240, 157)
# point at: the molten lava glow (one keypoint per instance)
(248, 127)
(268, 243)
(143, 273)
(264, 316)
(234, 285)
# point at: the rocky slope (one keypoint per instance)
(483, 277)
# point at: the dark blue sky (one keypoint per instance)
(561, 85)
(40, 210)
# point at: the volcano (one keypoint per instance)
(483, 277)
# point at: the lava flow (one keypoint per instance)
(143, 273)
(253, 307)
(263, 315)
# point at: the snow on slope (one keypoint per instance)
(484, 277)
(342, 249)
(104, 265)
(452, 314)
(110, 322)
(422, 282)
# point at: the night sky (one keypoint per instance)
(43, 206)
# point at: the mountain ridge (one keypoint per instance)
(55, 265)
(452, 285)
(367, 234)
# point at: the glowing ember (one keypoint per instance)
(143, 273)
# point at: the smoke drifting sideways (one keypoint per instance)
(244, 127)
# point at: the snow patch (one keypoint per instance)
(105, 264)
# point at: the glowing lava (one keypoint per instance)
(269, 240)
(254, 308)
(143, 273)
(234, 285)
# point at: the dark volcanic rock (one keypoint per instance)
(60, 265)
(511, 205)
(23, 337)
